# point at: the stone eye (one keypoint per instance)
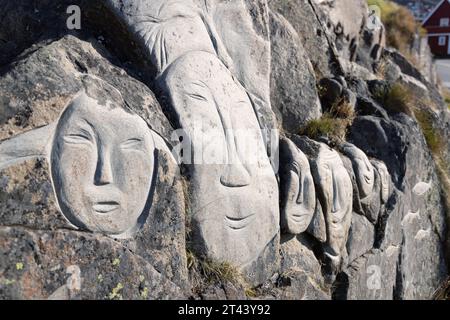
(78, 138)
(132, 144)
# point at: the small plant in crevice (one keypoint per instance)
(204, 272)
(433, 138)
(446, 96)
(395, 99)
(332, 125)
(443, 292)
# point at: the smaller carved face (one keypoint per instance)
(102, 166)
(299, 198)
(337, 192)
(365, 175)
(385, 180)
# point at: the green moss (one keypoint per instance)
(19, 266)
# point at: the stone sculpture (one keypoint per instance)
(336, 194)
(160, 24)
(168, 29)
(364, 171)
(298, 194)
(235, 193)
(101, 159)
(385, 180)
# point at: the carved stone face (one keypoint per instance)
(364, 172)
(170, 28)
(102, 166)
(385, 180)
(337, 197)
(299, 198)
(235, 198)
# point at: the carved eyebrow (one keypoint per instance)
(199, 83)
(197, 94)
(90, 125)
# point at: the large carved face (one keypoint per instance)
(364, 171)
(337, 197)
(235, 196)
(297, 186)
(102, 165)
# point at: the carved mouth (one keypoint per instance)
(368, 179)
(238, 223)
(105, 207)
(299, 218)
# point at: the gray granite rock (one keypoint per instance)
(37, 264)
(293, 83)
(361, 237)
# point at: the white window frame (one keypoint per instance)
(444, 22)
(442, 41)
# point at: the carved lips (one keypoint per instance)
(105, 207)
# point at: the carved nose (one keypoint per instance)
(235, 176)
(336, 200)
(103, 172)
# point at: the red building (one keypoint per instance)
(437, 23)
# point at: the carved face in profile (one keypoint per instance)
(365, 175)
(335, 189)
(102, 166)
(385, 180)
(235, 198)
(298, 191)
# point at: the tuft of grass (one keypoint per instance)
(206, 272)
(446, 96)
(381, 68)
(432, 136)
(343, 110)
(396, 99)
(333, 124)
(443, 292)
(326, 126)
